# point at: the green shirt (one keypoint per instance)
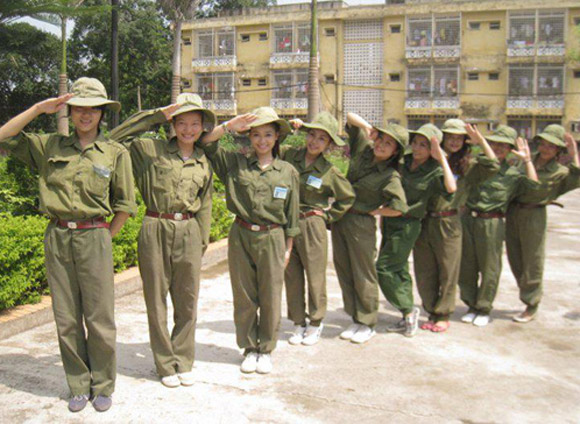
(375, 184)
(258, 196)
(77, 184)
(495, 194)
(421, 184)
(320, 183)
(168, 182)
(479, 170)
(554, 180)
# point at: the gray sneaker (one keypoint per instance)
(78, 403)
(399, 327)
(102, 403)
(412, 323)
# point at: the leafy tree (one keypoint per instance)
(211, 8)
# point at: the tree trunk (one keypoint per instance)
(176, 61)
(114, 60)
(313, 88)
(62, 118)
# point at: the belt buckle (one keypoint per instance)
(178, 216)
(72, 225)
(255, 227)
(474, 214)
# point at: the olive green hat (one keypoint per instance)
(90, 92)
(504, 134)
(553, 134)
(267, 115)
(190, 102)
(398, 132)
(454, 126)
(326, 122)
(429, 131)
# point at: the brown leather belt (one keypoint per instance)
(82, 225)
(354, 211)
(178, 216)
(443, 214)
(530, 205)
(486, 215)
(309, 214)
(255, 227)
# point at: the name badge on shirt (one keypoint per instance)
(102, 171)
(280, 192)
(314, 181)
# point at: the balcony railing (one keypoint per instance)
(289, 103)
(432, 103)
(515, 50)
(552, 102)
(214, 61)
(289, 58)
(432, 51)
(221, 104)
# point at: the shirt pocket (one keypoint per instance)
(190, 188)
(58, 171)
(98, 180)
(162, 175)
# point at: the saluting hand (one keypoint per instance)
(54, 104)
(436, 152)
(523, 152)
(241, 122)
(296, 123)
(474, 135)
(170, 110)
(372, 133)
(572, 148)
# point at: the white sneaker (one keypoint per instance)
(171, 381)
(264, 363)
(312, 335)
(350, 331)
(186, 378)
(468, 317)
(363, 335)
(481, 320)
(250, 363)
(297, 336)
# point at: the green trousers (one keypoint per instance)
(436, 258)
(526, 245)
(399, 236)
(309, 255)
(79, 265)
(354, 252)
(170, 263)
(256, 262)
(481, 255)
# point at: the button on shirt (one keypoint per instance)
(375, 184)
(77, 184)
(258, 196)
(319, 182)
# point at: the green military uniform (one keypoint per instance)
(484, 230)
(400, 233)
(354, 236)
(170, 246)
(319, 183)
(527, 220)
(266, 204)
(437, 251)
(79, 184)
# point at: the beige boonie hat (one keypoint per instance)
(504, 134)
(429, 131)
(454, 126)
(554, 134)
(326, 122)
(190, 102)
(90, 92)
(267, 115)
(398, 132)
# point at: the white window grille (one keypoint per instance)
(363, 63)
(521, 81)
(420, 31)
(434, 86)
(290, 84)
(419, 83)
(445, 81)
(550, 80)
(292, 38)
(226, 43)
(205, 86)
(447, 30)
(363, 30)
(522, 126)
(216, 86)
(551, 27)
(303, 37)
(283, 38)
(541, 124)
(522, 28)
(536, 86)
(205, 44)
(366, 103)
(215, 47)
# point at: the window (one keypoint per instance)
(290, 84)
(246, 82)
(494, 25)
(245, 38)
(474, 26)
(494, 76)
(522, 126)
(447, 30)
(212, 43)
(551, 27)
(415, 123)
(283, 36)
(419, 82)
(543, 121)
(329, 79)
(186, 83)
(216, 86)
(292, 38)
(329, 32)
(187, 41)
(435, 81)
(205, 44)
(491, 126)
(438, 30)
(262, 82)
(576, 74)
(549, 80)
(395, 29)
(549, 30)
(575, 127)
(577, 20)
(395, 77)
(226, 43)
(263, 36)
(473, 76)
(420, 32)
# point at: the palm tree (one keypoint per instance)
(313, 89)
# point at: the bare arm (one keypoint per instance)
(289, 244)
(523, 153)
(357, 121)
(439, 156)
(572, 148)
(477, 139)
(238, 124)
(118, 222)
(386, 211)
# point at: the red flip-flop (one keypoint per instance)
(427, 325)
(439, 329)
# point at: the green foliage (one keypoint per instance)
(221, 217)
(210, 8)
(338, 158)
(18, 188)
(125, 242)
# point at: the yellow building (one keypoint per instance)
(408, 61)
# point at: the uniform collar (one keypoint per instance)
(550, 166)
(99, 143)
(425, 167)
(320, 164)
(253, 161)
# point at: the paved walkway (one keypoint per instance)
(504, 373)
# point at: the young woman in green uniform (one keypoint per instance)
(437, 251)
(527, 219)
(425, 173)
(83, 179)
(484, 228)
(377, 186)
(175, 181)
(263, 192)
(325, 196)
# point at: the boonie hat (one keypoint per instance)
(554, 134)
(398, 132)
(504, 134)
(191, 102)
(90, 92)
(454, 126)
(267, 115)
(429, 131)
(326, 122)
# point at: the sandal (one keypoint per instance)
(440, 328)
(427, 325)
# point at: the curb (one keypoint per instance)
(24, 317)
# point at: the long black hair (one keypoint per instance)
(459, 160)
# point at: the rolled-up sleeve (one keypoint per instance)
(292, 228)
(26, 147)
(122, 187)
(394, 194)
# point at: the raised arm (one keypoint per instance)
(238, 124)
(438, 154)
(476, 138)
(141, 122)
(523, 153)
